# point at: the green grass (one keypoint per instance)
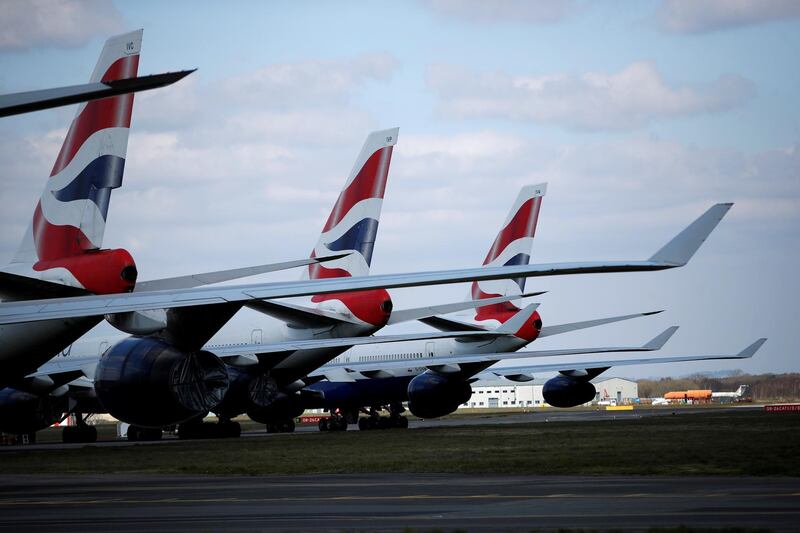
(730, 442)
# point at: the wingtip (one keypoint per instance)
(751, 350)
(651, 313)
(661, 339)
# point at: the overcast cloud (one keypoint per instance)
(701, 16)
(56, 23)
(622, 100)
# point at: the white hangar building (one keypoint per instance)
(503, 393)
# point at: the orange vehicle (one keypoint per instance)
(702, 395)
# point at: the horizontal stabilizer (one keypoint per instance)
(548, 331)
(208, 278)
(517, 322)
(418, 313)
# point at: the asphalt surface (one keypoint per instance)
(470, 420)
(393, 502)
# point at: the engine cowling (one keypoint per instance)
(284, 407)
(562, 391)
(148, 382)
(22, 412)
(247, 391)
(431, 395)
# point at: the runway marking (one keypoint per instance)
(413, 497)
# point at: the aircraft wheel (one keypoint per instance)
(323, 424)
(363, 424)
(289, 427)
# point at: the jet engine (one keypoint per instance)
(22, 412)
(246, 392)
(284, 407)
(564, 391)
(148, 382)
(431, 395)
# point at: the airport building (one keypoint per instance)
(503, 393)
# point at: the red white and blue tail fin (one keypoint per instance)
(512, 246)
(70, 217)
(353, 223)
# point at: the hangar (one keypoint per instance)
(503, 393)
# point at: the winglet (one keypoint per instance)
(661, 339)
(683, 246)
(752, 349)
(518, 321)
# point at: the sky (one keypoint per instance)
(639, 115)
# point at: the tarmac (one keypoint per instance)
(392, 502)
(471, 420)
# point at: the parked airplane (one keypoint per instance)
(60, 254)
(194, 381)
(297, 346)
(345, 394)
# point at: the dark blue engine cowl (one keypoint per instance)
(431, 395)
(22, 412)
(562, 391)
(148, 382)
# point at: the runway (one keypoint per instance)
(393, 502)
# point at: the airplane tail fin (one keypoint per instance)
(70, 217)
(353, 223)
(512, 246)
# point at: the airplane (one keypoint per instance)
(60, 254)
(167, 378)
(351, 229)
(344, 392)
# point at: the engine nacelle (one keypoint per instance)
(431, 395)
(148, 382)
(22, 412)
(562, 391)
(246, 392)
(284, 407)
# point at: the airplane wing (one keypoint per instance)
(558, 329)
(449, 364)
(585, 364)
(419, 313)
(16, 287)
(208, 278)
(675, 253)
(26, 102)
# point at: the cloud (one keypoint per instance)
(35, 23)
(538, 12)
(310, 82)
(630, 98)
(701, 16)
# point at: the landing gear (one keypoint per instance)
(140, 434)
(375, 421)
(338, 420)
(281, 427)
(81, 432)
(197, 429)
